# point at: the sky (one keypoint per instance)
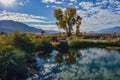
(96, 14)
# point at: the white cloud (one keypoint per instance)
(14, 3)
(102, 19)
(47, 6)
(46, 27)
(22, 2)
(86, 5)
(52, 1)
(76, 7)
(103, 2)
(58, 2)
(70, 4)
(46, 1)
(5, 15)
(99, 15)
(53, 6)
(73, 1)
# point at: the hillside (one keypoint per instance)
(110, 30)
(11, 26)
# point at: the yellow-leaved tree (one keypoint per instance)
(67, 19)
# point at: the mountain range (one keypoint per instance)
(110, 30)
(107, 30)
(9, 26)
(12, 26)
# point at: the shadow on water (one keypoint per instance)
(82, 64)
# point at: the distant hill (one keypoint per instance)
(110, 30)
(11, 26)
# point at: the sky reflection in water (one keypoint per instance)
(85, 64)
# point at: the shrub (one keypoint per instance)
(11, 61)
(25, 42)
(44, 45)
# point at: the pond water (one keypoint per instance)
(82, 64)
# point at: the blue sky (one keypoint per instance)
(97, 14)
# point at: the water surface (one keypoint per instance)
(83, 64)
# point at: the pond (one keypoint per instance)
(82, 64)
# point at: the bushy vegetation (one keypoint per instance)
(16, 52)
(31, 44)
(24, 41)
(11, 61)
(44, 45)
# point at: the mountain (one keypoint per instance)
(110, 30)
(11, 26)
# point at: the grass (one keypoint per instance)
(79, 43)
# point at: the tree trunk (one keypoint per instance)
(69, 31)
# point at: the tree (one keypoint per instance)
(66, 19)
(78, 27)
(42, 32)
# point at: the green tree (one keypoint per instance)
(42, 32)
(66, 19)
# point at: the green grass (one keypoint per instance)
(79, 43)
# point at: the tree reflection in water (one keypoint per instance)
(67, 56)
